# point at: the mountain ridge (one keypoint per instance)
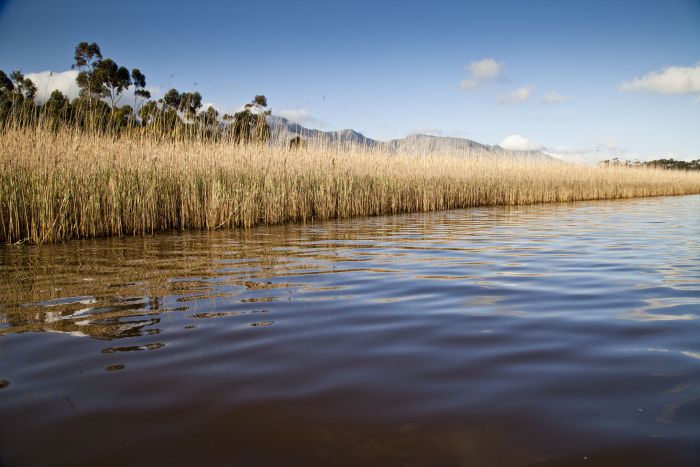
(283, 130)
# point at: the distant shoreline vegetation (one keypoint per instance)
(667, 164)
(88, 168)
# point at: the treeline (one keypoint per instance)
(102, 84)
(668, 164)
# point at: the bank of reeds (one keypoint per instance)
(57, 184)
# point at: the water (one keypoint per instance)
(541, 335)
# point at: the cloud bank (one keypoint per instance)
(481, 72)
(601, 151)
(520, 143)
(670, 80)
(302, 117)
(48, 81)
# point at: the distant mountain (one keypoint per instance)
(283, 130)
(428, 143)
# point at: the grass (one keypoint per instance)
(58, 185)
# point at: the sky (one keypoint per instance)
(584, 80)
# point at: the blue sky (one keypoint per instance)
(479, 70)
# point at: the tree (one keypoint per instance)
(111, 80)
(297, 142)
(171, 99)
(6, 94)
(24, 88)
(209, 117)
(139, 80)
(149, 112)
(250, 125)
(86, 54)
(667, 164)
(16, 92)
(87, 57)
(190, 103)
(57, 103)
(123, 116)
(165, 118)
(187, 102)
(58, 108)
(6, 85)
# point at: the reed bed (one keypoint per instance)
(61, 184)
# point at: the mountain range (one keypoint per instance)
(284, 130)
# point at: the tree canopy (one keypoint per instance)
(669, 164)
(250, 125)
(102, 83)
(111, 80)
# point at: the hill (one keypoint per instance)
(283, 130)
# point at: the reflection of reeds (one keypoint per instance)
(56, 185)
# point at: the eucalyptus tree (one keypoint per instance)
(139, 80)
(87, 57)
(250, 125)
(149, 112)
(171, 99)
(112, 80)
(123, 116)
(57, 103)
(162, 117)
(16, 94)
(6, 85)
(6, 90)
(58, 109)
(24, 88)
(209, 117)
(259, 100)
(190, 103)
(187, 102)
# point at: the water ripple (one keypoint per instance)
(537, 335)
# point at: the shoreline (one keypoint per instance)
(56, 186)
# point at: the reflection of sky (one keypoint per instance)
(654, 311)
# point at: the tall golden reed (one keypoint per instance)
(62, 184)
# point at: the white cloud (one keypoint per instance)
(606, 149)
(520, 143)
(581, 155)
(554, 97)
(48, 81)
(302, 117)
(481, 72)
(516, 97)
(487, 69)
(670, 80)
(216, 107)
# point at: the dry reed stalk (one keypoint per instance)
(62, 184)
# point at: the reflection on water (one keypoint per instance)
(548, 335)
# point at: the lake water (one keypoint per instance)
(540, 335)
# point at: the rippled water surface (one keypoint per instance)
(541, 335)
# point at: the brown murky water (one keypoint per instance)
(542, 335)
